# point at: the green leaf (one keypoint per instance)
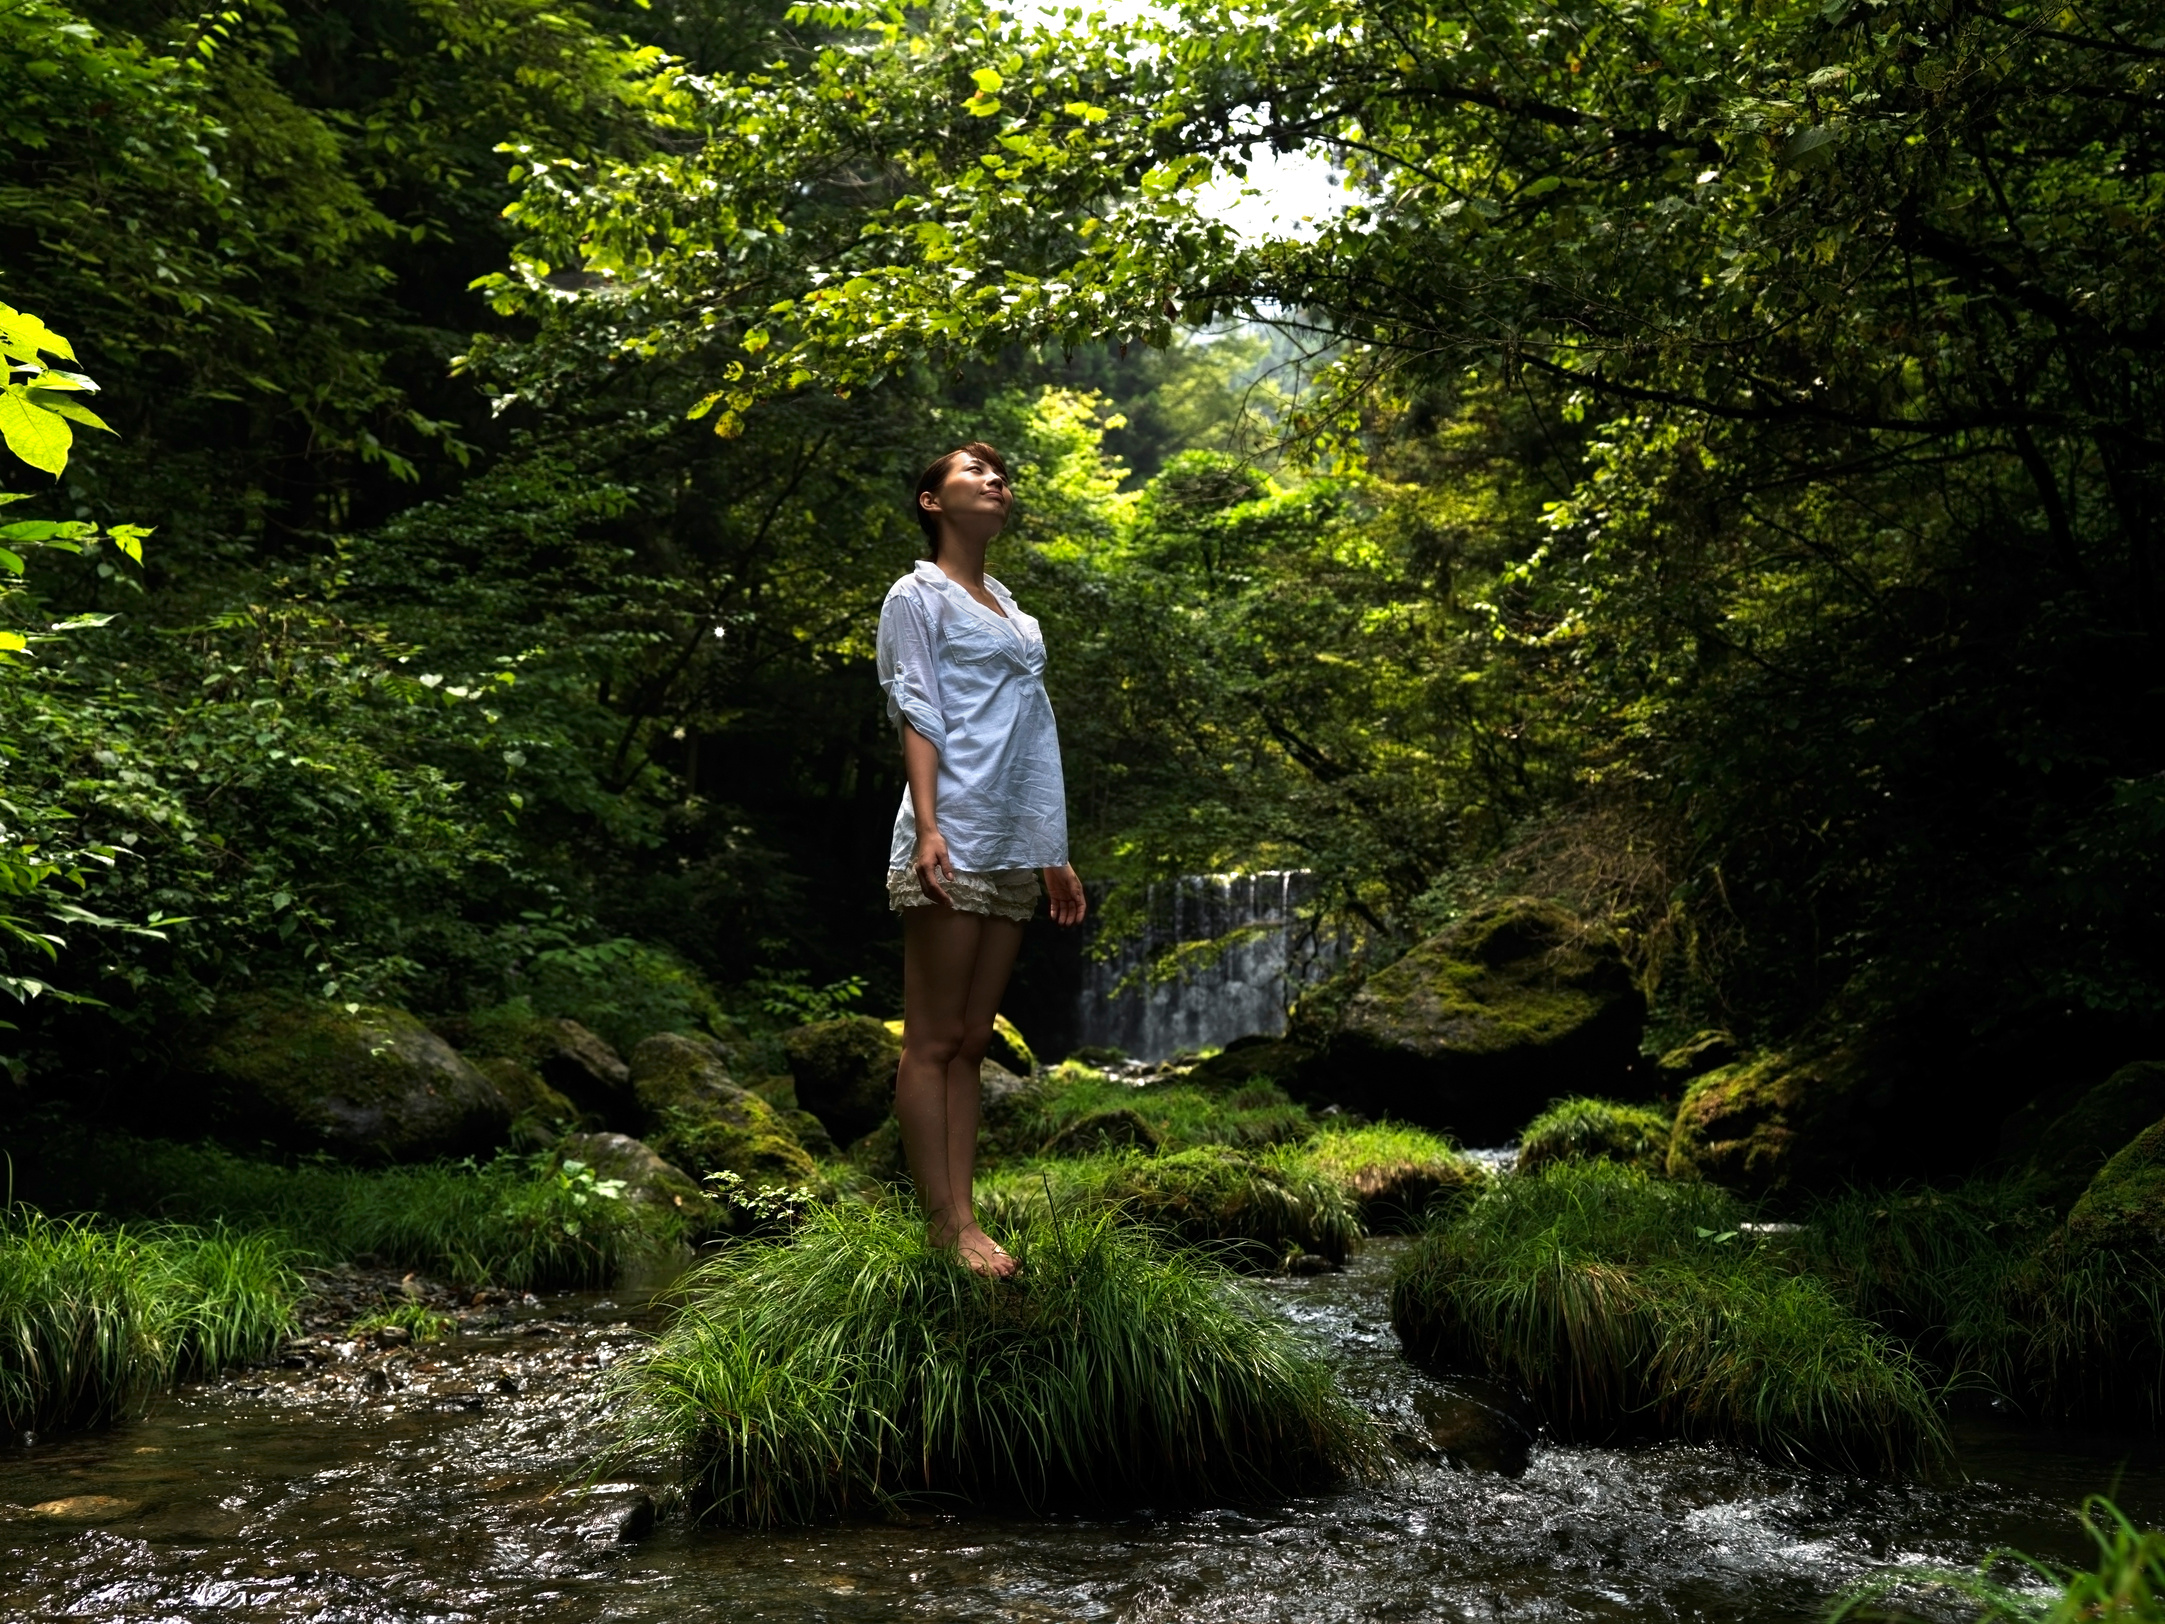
(39, 437)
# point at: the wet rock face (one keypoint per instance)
(1779, 1125)
(2064, 1151)
(845, 1072)
(702, 1122)
(371, 1084)
(1474, 1031)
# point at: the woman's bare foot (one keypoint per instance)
(984, 1255)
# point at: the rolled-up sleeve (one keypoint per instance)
(909, 667)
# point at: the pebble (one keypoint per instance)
(85, 1508)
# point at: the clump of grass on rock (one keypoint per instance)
(1587, 1129)
(1394, 1174)
(1251, 1211)
(1081, 1107)
(94, 1320)
(1628, 1306)
(856, 1364)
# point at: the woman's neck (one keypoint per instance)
(962, 559)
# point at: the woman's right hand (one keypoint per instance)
(933, 868)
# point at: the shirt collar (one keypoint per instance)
(931, 573)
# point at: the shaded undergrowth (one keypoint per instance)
(855, 1364)
(94, 1320)
(1625, 1306)
(517, 1220)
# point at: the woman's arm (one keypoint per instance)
(921, 759)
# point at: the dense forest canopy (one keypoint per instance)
(1708, 472)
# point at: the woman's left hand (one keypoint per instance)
(1065, 892)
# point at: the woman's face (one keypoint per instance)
(972, 488)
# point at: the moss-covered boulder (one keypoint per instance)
(1254, 1059)
(366, 1083)
(1697, 1055)
(1121, 1128)
(1590, 1129)
(1779, 1124)
(572, 1060)
(2124, 1207)
(1475, 1030)
(701, 1121)
(845, 1072)
(2063, 1151)
(649, 1180)
(539, 1114)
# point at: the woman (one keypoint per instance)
(984, 814)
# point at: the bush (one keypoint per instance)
(93, 1320)
(623, 990)
(1588, 1128)
(518, 1220)
(1394, 1174)
(857, 1364)
(1623, 1305)
(1253, 1212)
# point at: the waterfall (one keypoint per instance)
(1244, 989)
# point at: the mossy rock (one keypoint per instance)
(1475, 1030)
(1780, 1125)
(1121, 1129)
(2124, 1207)
(368, 1083)
(1395, 1175)
(671, 1072)
(1253, 1059)
(2069, 1149)
(539, 1114)
(1255, 1212)
(649, 1180)
(704, 1123)
(1697, 1055)
(845, 1073)
(572, 1059)
(810, 1132)
(1590, 1129)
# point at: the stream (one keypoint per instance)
(442, 1482)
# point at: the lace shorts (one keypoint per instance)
(1008, 893)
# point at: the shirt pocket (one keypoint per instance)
(970, 641)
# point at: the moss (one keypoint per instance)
(674, 1073)
(1178, 1114)
(742, 1134)
(1778, 1125)
(649, 1181)
(572, 1060)
(539, 1114)
(845, 1072)
(1120, 1128)
(370, 1082)
(1586, 1128)
(1394, 1175)
(1252, 1060)
(2124, 1207)
(2070, 1150)
(1697, 1055)
(1473, 1030)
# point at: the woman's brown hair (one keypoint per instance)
(929, 482)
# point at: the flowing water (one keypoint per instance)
(440, 1483)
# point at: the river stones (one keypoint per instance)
(1475, 1030)
(649, 1181)
(571, 1060)
(361, 1081)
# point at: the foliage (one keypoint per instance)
(417, 1320)
(858, 1364)
(94, 1320)
(516, 1221)
(2126, 1583)
(1625, 1305)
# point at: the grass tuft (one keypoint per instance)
(1251, 1211)
(1587, 1129)
(1628, 1306)
(2125, 1583)
(94, 1320)
(1178, 1116)
(519, 1220)
(857, 1364)
(1394, 1174)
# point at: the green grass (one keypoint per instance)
(1394, 1174)
(1585, 1128)
(1251, 1211)
(2125, 1583)
(1981, 1282)
(1626, 1306)
(519, 1220)
(1180, 1116)
(855, 1364)
(93, 1320)
(417, 1320)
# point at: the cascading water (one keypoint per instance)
(1267, 954)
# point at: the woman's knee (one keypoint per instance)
(976, 1038)
(937, 1043)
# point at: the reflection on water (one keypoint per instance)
(433, 1485)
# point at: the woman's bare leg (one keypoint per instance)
(945, 955)
(998, 943)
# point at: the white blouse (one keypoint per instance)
(974, 685)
